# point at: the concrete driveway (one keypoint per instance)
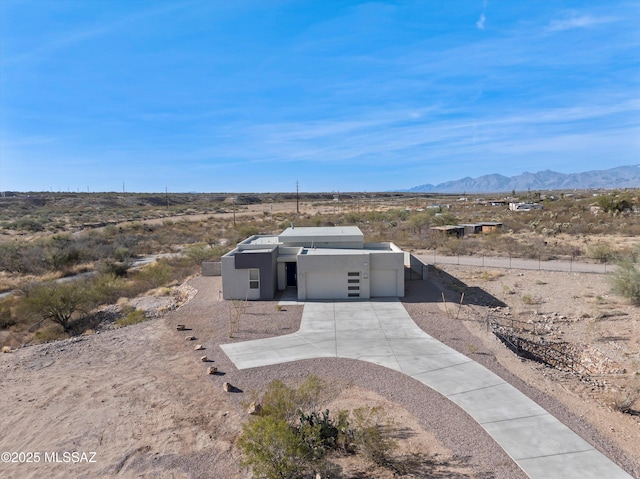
(382, 332)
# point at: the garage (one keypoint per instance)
(384, 284)
(326, 285)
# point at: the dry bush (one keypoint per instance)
(624, 400)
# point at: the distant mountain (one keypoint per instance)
(620, 177)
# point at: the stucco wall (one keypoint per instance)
(332, 271)
(387, 262)
(235, 274)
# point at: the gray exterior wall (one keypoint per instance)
(235, 271)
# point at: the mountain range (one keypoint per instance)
(619, 177)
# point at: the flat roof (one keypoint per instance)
(329, 234)
(313, 231)
(333, 251)
(261, 240)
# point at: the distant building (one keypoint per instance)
(524, 206)
(450, 230)
(468, 228)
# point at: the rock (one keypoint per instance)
(212, 370)
(226, 387)
(255, 408)
(198, 347)
(204, 359)
(190, 338)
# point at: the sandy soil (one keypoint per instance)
(140, 398)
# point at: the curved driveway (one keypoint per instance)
(382, 332)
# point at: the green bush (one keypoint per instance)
(625, 281)
(58, 302)
(155, 275)
(291, 439)
(50, 333)
(7, 318)
(602, 253)
(273, 449)
(133, 317)
(200, 252)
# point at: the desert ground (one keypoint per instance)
(139, 397)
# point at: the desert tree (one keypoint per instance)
(58, 302)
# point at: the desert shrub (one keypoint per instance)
(199, 252)
(623, 401)
(625, 281)
(132, 317)
(274, 450)
(27, 224)
(155, 275)
(371, 436)
(284, 402)
(48, 333)
(115, 268)
(106, 288)
(602, 253)
(7, 318)
(290, 438)
(614, 203)
(122, 254)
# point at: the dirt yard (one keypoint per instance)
(140, 399)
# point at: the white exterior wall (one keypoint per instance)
(325, 276)
(387, 274)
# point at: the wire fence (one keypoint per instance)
(569, 264)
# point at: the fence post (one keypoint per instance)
(571, 265)
(483, 260)
(509, 260)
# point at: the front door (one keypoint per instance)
(292, 274)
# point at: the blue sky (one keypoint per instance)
(216, 95)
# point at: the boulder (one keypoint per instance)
(255, 408)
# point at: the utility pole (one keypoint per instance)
(166, 195)
(123, 187)
(234, 211)
(297, 199)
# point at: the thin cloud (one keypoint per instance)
(480, 22)
(583, 21)
(71, 38)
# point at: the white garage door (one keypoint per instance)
(326, 285)
(383, 284)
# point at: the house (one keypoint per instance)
(524, 206)
(320, 262)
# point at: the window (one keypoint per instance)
(254, 279)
